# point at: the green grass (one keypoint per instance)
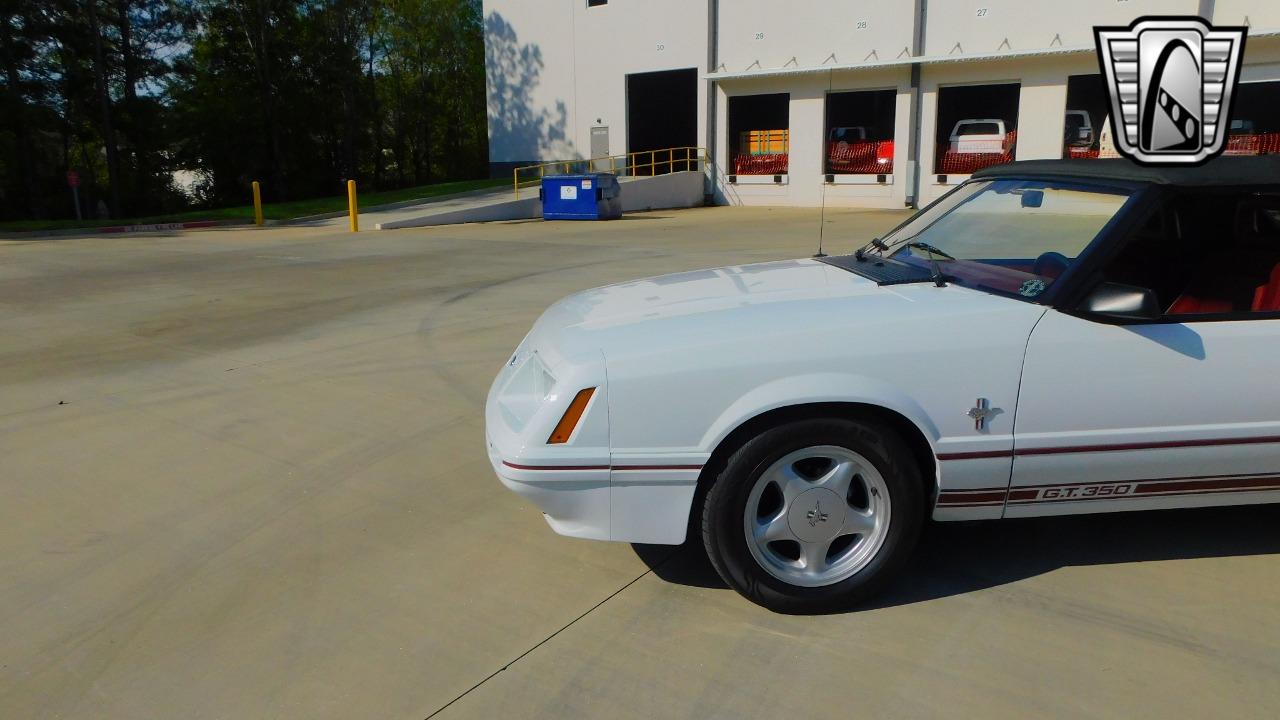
(271, 211)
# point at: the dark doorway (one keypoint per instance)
(977, 127)
(1255, 119)
(1085, 116)
(662, 113)
(759, 134)
(860, 132)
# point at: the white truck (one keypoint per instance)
(979, 136)
(1078, 129)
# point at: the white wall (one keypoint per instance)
(625, 37)
(982, 26)
(1042, 100)
(1042, 103)
(811, 32)
(1260, 14)
(555, 67)
(673, 190)
(1261, 61)
(529, 80)
(805, 176)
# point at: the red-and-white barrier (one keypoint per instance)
(775, 164)
(872, 157)
(864, 157)
(1253, 144)
(954, 163)
(1250, 144)
(153, 227)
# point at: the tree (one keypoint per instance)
(301, 94)
(104, 101)
(23, 28)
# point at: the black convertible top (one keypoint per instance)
(1234, 171)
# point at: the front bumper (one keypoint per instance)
(626, 503)
(568, 481)
(574, 500)
(582, 487)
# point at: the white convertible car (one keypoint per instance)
(1052, 337)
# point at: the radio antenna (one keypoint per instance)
(822, 219)
(822, 213)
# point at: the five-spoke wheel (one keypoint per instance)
(813, 515)
(817, 516)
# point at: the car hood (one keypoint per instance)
(766, 302)
(709, 291)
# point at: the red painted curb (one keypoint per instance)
(155, 227)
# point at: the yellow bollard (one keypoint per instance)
(257, 203)
(352, 208)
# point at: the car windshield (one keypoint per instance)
(1010, 237)
(984, 128)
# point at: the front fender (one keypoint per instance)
(818, 388)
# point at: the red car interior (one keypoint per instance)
(1243, 273)
(1187, 304)
(1267, 297)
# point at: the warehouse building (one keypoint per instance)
(863, 104)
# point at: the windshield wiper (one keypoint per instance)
(936, 275)
(938, 278)
(930, 249)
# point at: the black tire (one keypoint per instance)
(724, 536)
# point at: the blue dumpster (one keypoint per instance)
(593, 196)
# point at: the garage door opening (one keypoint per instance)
(759, 134)
(662, 113)
(860, 132)
(1085, 117)
(1255, 119)
(977, 127)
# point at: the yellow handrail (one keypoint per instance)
(690, 157)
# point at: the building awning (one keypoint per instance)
(903, 61)
(907, 60)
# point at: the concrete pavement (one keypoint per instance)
(244, 476)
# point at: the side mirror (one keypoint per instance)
(1124, 302)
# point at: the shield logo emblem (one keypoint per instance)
(1171, 81)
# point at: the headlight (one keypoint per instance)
(526, 389)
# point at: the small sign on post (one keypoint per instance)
(73, 182)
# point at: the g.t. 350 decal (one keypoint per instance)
(1114, 490)
(1156, 487)
(1084, 491)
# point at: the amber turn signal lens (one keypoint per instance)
(569, 421)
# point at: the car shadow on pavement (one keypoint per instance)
(685, 564)
(956, 558)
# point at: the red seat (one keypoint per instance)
(1192, 305)
(1267, 297)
